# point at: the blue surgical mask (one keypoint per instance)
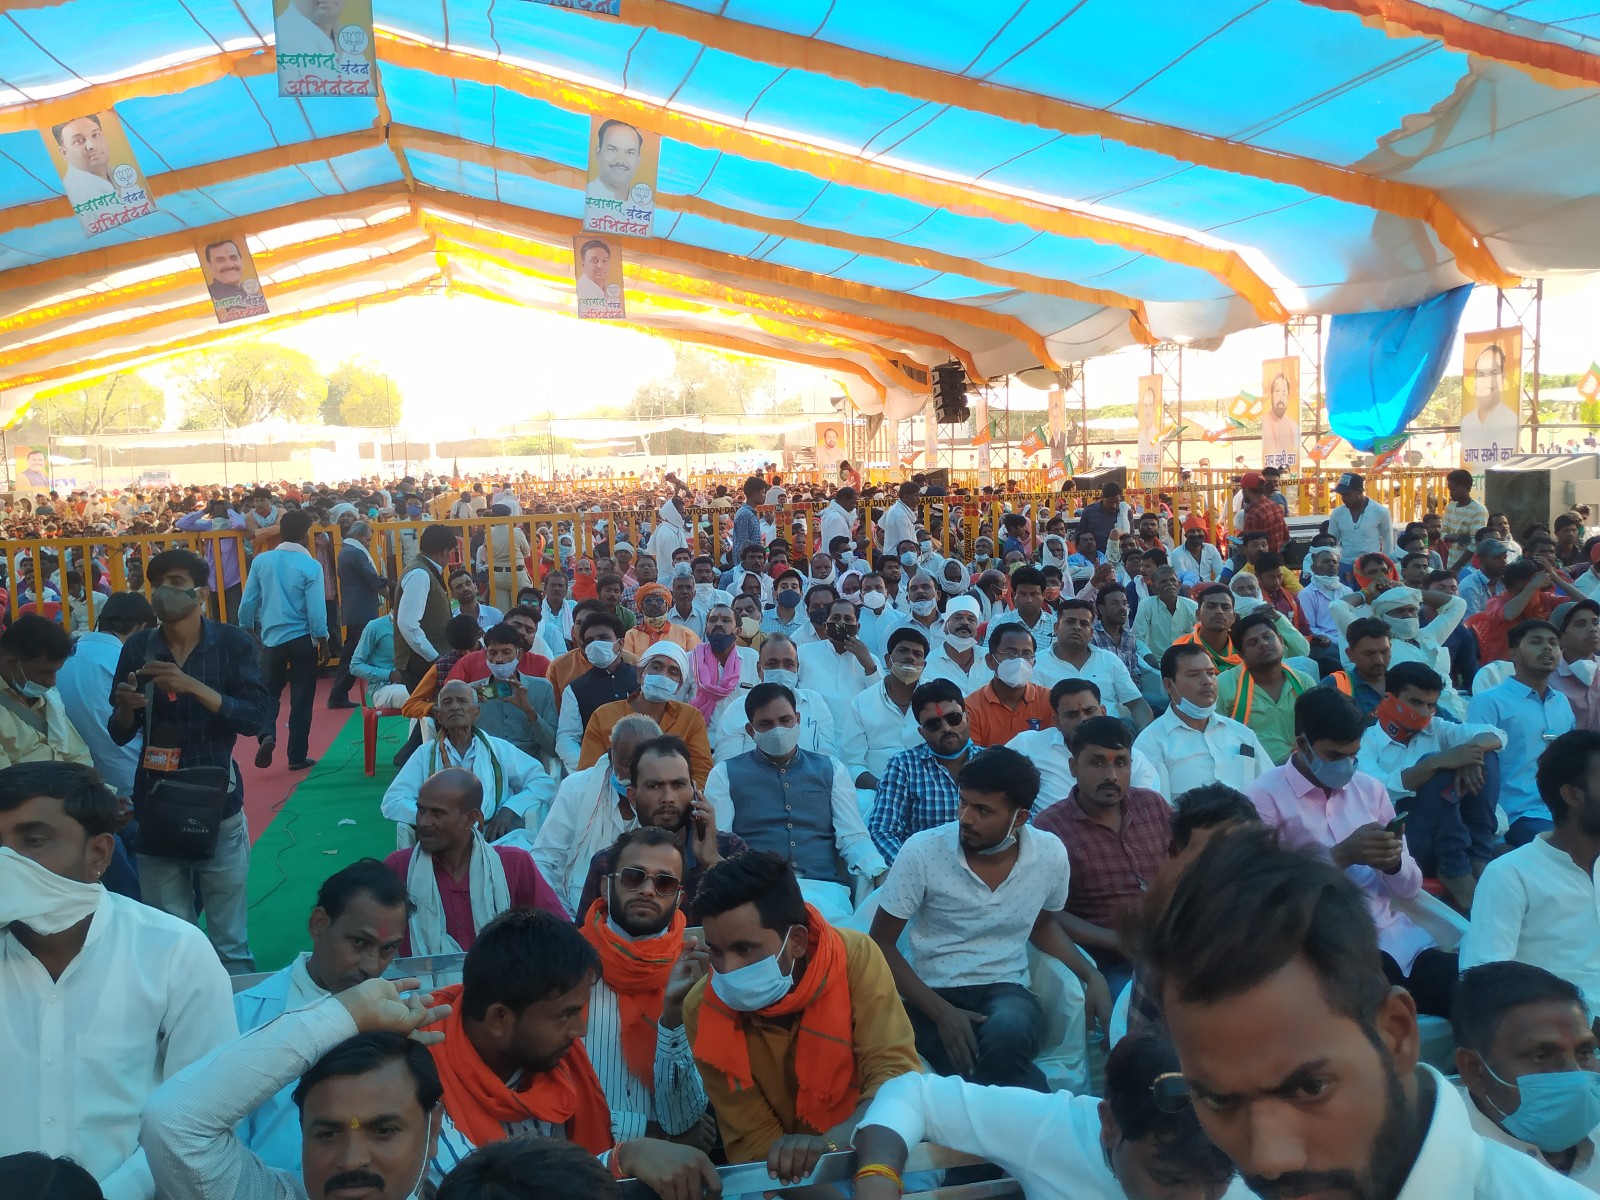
(658, 688)
(1195, 712)
(951, 757)
(908, 559)
(1332, 774)
(756, 985)
(1557, 1109)
(782, 678)
(30, 689)
(620, 786)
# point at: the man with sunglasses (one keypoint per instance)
(635, 1033)
(918, 789)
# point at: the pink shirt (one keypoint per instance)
(527, 887)
(1310, 819)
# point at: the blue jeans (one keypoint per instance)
(1007, 1041)
(169, 884)
(1448, 830)
(1524, 829)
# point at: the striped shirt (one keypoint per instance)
(675, 1100)
(453, 1145)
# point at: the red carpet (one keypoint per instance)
(265, 792)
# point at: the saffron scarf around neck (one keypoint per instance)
(481, 1105)
(637, 971)
(713, 681)
(829, 1087)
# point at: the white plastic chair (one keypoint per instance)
(1446, 927)
(1064, 1047)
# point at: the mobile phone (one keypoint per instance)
(1398, 824)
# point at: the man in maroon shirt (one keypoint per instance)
(456, 880)
(1116, 838)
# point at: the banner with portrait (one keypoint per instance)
(983, 437)
(604, 8)
(621, 194)
(597, 268)
(325, 48)
(1491, 394)
(1149, 414)
(1056, 423)
(231, 280)
(1280, 414)
(32, 470)
(830, 443)
(99, 172)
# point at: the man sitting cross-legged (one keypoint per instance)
(457, 882)
(975, 892)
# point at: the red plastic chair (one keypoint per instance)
(369, 731)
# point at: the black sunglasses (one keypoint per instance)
(633, 878)
(950, 719)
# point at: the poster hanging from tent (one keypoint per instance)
(1056, 423)
(230, 275)
(830, 443)
(1149, 414)
(1280, 414)
(621, 194)
(1491, 391)
(605, 8)
(99, 172)
(325, 48)
(983, 436)
(598, 270)
(33, 468)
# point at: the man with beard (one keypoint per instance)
(1299, 1060)
(356, 929)
(663, 795)
(1536, 903)
(635, 1033)
(975, 893)
(1116, 837)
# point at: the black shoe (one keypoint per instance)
(264, 752)
(342, 702)
(303, 766)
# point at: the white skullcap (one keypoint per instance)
(962, 604)
(667, 650)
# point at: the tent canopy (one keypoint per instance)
(872, 189)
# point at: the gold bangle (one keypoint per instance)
(880, 1171)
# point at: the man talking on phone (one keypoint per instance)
(194, 687)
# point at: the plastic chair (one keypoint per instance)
(1446, 927)
(369, 731)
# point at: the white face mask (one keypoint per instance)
(756, 985)
(779, 741)
(873, 601)
(1014, 672)
(702, 591)
(959, 645)
(503, 670)
(924, 608)
(1404, 628)
(1245, 604)
(781, 677)
(601, 654)
(1199, 712)
(1328, 583)
(659, 688)
(45, 902)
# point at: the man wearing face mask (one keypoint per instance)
(818, 599)
(514, 784)
(668, 535)
(975, 893)
(878, 615)
(663, 670)
(204, 683)
(839, 517)
(779, 662)
(512, 705)
(1526, 1055)
(799, 1024)
(918, 788)
(1010, 702)
(899, 521)
(1320, 802)
(635, 1032)
(841, 667)
(879, 722)
(34, 726)
(797, 803)
(721, 669)
(77, 1072)
(356, 930)
(1116, 837)
(655, 626)
(590, 811)
(787, 615)
(955, 653)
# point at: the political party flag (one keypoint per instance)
(1589, 385)
(1323, 448)
(1386, 456)
(1033, 443)
(1056, 473)
(1246, 406)
(984, 435)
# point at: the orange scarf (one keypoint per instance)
(824, 1060)
(637, 972)
(480, 1104)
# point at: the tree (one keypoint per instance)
(710, 385)
(116, 404)
(359, 395)
(241, 384)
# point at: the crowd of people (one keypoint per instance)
(794, 838)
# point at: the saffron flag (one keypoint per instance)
(1325, 447)
(1056, 473)
(983, 436)
(1245, 407)
(1589, 385)
(1033, 443)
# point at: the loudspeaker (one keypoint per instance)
(1537, 488)
(1093, 481)
(950, 394)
